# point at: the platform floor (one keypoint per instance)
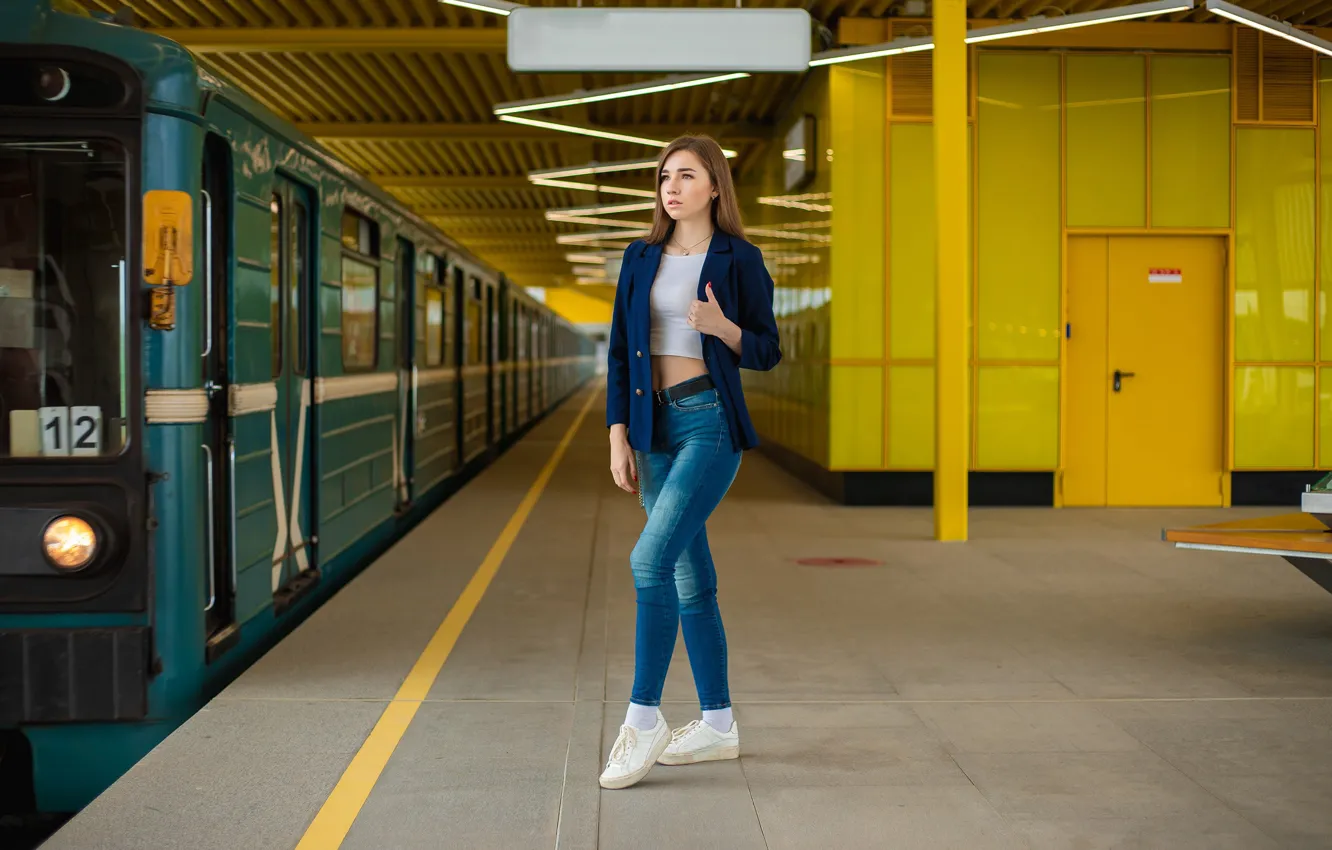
(1063, 680)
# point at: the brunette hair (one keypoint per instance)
(725, 207)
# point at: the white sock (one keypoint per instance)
(719, 719)
(641, 716)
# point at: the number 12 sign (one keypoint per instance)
(71, 430)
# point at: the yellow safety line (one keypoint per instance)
(336, 816)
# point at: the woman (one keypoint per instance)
(678, 420)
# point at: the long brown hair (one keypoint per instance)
(725, 207)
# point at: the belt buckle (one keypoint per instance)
(660, 396)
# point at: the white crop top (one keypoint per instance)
(673, 292)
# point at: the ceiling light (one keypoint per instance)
(592, 168)
(591, 131)
(873, 51)
(671, 83)
(1031, 26)
(605, 209)
(1280, 29)
(1039, 23)
(499, 7)
(593, 187)
(580, 238)
(604, 222)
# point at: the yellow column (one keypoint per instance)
(950, 191)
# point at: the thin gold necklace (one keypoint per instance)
(691, 247)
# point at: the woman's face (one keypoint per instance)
(686, 188)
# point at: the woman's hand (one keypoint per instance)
(706, 317)
(623, 469)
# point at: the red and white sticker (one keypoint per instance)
(1165, 275)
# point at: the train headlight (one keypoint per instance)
(52, 84)
(69, 543)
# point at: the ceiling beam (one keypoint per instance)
(336, 39)
(393, 131)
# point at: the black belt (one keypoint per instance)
(693, 386)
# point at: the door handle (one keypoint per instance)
(1118, 376)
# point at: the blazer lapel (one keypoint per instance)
(640, 283)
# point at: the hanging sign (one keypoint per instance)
(1165, 275)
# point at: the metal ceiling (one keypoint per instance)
(403, 89)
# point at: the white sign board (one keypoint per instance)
(566, 40)
(69, 431)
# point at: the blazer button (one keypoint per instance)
(639, 353)
(640, 392)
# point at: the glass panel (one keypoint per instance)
(856, 417)
(298, 323)
(1274, 238)
(1190, 141)
(1274, 417)
(911, 417)
(275, 260)
(63, 239)
(1107, 141)
(1017, 417)
(1019, 207)
(359, 282)
(434, 326)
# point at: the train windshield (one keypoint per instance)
(64, 246)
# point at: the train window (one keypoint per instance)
(275, 284)
(298, 326)
(63, 289)
(476, 326)
(360, 293)
(434, 300)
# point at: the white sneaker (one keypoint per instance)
(635, 752)
(700, 742)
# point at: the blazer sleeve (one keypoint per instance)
(617, 351)
(760, 347)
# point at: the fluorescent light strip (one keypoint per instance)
(498, 7)
(1280, 29)
(594, 168)
(604, 209)
(604, 222)
(588, 131)
(1031, 26)
(1039, 24)
(672, 83)
(890, 48)
(593, 187)
(580, 238)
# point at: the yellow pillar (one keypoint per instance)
(950, 196)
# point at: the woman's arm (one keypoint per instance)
(617, 351)
(758, 346)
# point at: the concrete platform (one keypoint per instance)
(1064, 680)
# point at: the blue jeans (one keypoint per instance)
(681, 480)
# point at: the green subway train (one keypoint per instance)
(232, 372)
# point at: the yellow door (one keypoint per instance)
(1145, 382)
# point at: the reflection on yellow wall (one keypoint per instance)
(1274, 238)
(1274, 414)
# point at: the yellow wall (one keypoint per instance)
(790, 404)
(578, 307)
(1074, 141)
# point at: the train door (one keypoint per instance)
(293, 455)
(407, 401)
(219, 450)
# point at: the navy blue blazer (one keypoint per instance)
(741, 285)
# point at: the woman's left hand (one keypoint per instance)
(706, 317)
